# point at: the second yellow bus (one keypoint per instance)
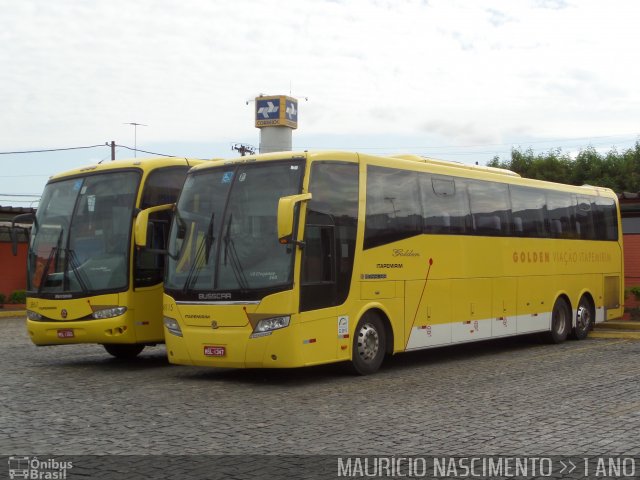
(86, 282)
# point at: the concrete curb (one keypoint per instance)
(624, 334)
(618, 325)
(623, 329)
(12, 313)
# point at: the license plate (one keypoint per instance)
(65, 333)
(214, 351)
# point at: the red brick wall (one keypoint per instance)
(13, 270)
(631, 265)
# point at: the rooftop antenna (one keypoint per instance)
(243, 149)
(135, 135)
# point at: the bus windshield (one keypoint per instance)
(223, 243)
(80, 239)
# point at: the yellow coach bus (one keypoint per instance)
(86, 283)
(296, 259)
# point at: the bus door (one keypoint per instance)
(327, 259)
(161, 187)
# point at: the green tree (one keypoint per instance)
(619, 171)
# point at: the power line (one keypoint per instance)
(150, 153)
(45, 150)
(25, 201)
(19, 195)
(23, 176)
(50, 150)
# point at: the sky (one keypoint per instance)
(462, 80)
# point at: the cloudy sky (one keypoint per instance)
(456, 79)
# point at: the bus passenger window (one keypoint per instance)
(528, 206)
(394, 211)
(606, 219)
(489, 208)
(561, 215)
(445, 204)
(585, 228)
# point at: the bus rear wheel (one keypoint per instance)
(123, 351)
(560, 322)
(369, 345)
(584, 319)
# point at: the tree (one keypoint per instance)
(618, 171)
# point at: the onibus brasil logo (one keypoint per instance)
(36, 469)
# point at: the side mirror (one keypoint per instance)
(13, 232)
(286, 206)
(142, 223)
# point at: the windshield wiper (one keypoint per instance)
(209, 238)
(45, 270)
(75, 267)
(236, 266)
(203, 249)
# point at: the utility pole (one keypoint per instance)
(135, 135)
(113, 150)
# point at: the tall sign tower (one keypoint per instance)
(276, 117)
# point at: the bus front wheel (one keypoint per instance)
(123, 351)
(369, 345)
(560, 321)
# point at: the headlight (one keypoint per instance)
(108, 312)
(173, 326)
(267, 325)
(31, 315)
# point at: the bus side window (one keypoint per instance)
(490, 208)
(161, 187)
(528, 206)
(605, 219)
(585, 228)
(445, 204)
(561, 215)
(330, 234)
(394, 211)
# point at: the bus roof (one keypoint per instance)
(143, 163)
(434, 161)
(443, 167)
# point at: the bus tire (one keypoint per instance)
(560, 322)
(584, 319)
(123, 351)
(369, 345)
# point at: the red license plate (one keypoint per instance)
(214, 351)
(65, 333)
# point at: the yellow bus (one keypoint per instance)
(296, 259)
(86, 281)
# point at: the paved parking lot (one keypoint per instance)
(497, 398)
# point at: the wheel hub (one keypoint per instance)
(368, 342)
(584, 317)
